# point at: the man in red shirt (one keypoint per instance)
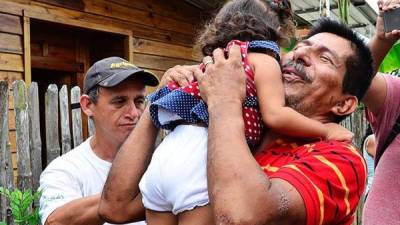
(286, 181)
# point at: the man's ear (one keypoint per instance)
(346, 106)
(86, 105)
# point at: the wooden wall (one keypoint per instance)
(11, 61)
(159, 34)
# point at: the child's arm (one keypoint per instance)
(276, 115)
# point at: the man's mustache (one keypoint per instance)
(299, 68)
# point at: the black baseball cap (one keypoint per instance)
(111, 71)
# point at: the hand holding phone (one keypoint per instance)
(391, 20)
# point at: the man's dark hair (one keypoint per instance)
(94, 94)
(359, 66)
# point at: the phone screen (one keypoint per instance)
(392, 20)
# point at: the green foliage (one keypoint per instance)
(392, 60)
(21, 206)
(344, 6)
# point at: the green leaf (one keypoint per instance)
(19, 193)
(392, 60)
(27, 201)
(37, 194)
(3, 223)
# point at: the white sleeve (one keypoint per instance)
(59, 185)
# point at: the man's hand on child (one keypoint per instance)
(182, 75)
(338, 133)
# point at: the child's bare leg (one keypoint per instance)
(198, 216)
(160, 218)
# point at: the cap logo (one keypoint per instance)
(121, 64)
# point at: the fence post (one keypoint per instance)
(76, 116)
(90, 126)
(6, 176)
(51, 105)
(24, 177)
(34, 132)
(64, 119)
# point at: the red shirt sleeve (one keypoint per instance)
(331, 180)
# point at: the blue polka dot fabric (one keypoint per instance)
(174, 105)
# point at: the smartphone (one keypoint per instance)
(391, 20)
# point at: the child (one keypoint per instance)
(176, 180)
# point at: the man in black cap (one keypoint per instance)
(114, 97)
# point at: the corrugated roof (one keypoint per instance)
(363, 13)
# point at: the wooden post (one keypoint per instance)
(34, 132)
(90, 127)
(27, 50)
(128, 48)
(64, 119)
(51, 105)
(6, 177)
(24, 177)
(76, 116)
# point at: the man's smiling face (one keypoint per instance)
(313, 73)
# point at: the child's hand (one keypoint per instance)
(338, 133)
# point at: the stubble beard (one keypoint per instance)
(297, 103)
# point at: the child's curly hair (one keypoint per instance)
(248, 20)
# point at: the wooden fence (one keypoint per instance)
(59, 140)
(28, 139)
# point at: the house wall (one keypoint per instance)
(159, 34)
(11, 61)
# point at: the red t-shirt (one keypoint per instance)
(329, 175)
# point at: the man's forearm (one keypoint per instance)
(77, 212)
(121, 201)
(379, 48)
(235, 181)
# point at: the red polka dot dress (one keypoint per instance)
(174, 105)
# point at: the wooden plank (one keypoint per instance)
(27, 50)
(164, 49)
(75, 4)
(11, 9)
(24, 178)
(176, 9)
(11, 43)
(10, 101)
(10, 77)
(157, 62)
(34, 132)
(159, 74)
(101, 23)
(162, 35)
(11, 62)
(10, 24)
(128, 48)
(64, 120)
(51, 41)
(11, 120)
(71, 17)
(91, 128)
(5, 154)
(76, 116)
(51, 115)
(83, 56)
(52, 63)
(13, 139)
(96, 22)
(109, 9)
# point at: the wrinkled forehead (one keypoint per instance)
(129, 87)
(334, 43)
